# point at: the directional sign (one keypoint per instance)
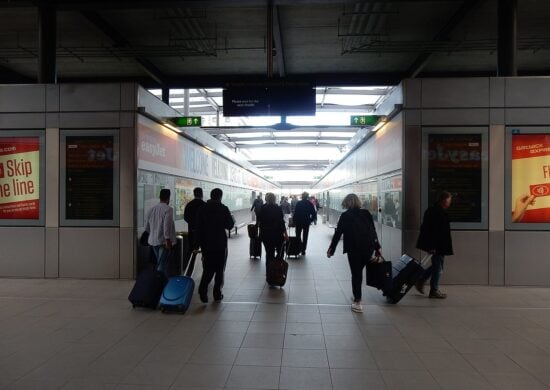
(186, 121)
(364, 120)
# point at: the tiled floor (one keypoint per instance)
(82, 334)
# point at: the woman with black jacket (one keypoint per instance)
(360, 241)
(435, 238)
(272, 227)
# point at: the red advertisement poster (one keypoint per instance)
(19, 178)
(531, 178)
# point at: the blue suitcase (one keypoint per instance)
(405, 273)
(176, 296)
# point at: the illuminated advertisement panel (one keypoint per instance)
(530, 200)
(20, 178)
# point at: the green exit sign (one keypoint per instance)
(186, 121)
(364, 120)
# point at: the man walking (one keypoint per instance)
(190, 215)
(256, 206)
(162, 230)
(304, 214)
(213, 220)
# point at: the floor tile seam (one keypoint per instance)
(326, 353)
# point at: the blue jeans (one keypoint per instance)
(161, 253)
(434, 271)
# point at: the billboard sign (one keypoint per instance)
(20, 178)
(530, 178)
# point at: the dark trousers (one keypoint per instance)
(213, 267)
(305, 230)
(356, 265)
(272, 249)
(434, 272)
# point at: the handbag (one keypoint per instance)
(144, 239)
(379, 273)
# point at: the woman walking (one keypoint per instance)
(360, 241)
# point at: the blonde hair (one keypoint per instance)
(351, 201)
(270, 198)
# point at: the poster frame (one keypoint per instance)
(484, 131)
(41, 134)
(63, 221)
(508, 224)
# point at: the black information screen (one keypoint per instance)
(89, 178)
(455, 162)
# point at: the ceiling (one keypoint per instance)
(204, 45)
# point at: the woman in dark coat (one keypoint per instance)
(435, 238)
(360, 241)
(272, 227)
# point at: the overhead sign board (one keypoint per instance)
(186, 121)
(364, 120)
(259, 99)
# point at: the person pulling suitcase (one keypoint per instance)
(360, 242)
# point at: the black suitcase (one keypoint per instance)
(148, 288)
(255, 247)
(294, 246)
(405, 272)
(277, 269)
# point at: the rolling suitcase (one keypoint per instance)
(405, 273)
(294, 245)
(177, 294)
(277, 269)
(252, 230)
(147, 289)
(255, 247)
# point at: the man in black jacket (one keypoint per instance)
(256, 206)
(190, 215)
(435, 238)
(213, 220)
(304, 213)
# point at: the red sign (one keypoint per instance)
(19, 178)
(531, 178)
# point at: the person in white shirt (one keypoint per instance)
(162, 230)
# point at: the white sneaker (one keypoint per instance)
(356, 307)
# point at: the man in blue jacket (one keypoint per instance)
(303, 216)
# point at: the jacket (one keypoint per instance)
(435, 232)
(304, 213)
(213, 221)
(355, 241)
(191, 211)
(272, 223)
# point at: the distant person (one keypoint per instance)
(213, 220)
(162, 230)
(285, 207)
(435, 238)
(360, 241)
(190, 215)
(272, 227)
(293, 202)
(256, 206)
(303, 216)
(314, 203)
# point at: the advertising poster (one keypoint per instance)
(89, 177)
(530, 178)
(391, 198)
(19, 178)
(455, 165)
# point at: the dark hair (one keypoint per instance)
(443, 195)
(164, 194)
(216, 194)
(197, 192)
